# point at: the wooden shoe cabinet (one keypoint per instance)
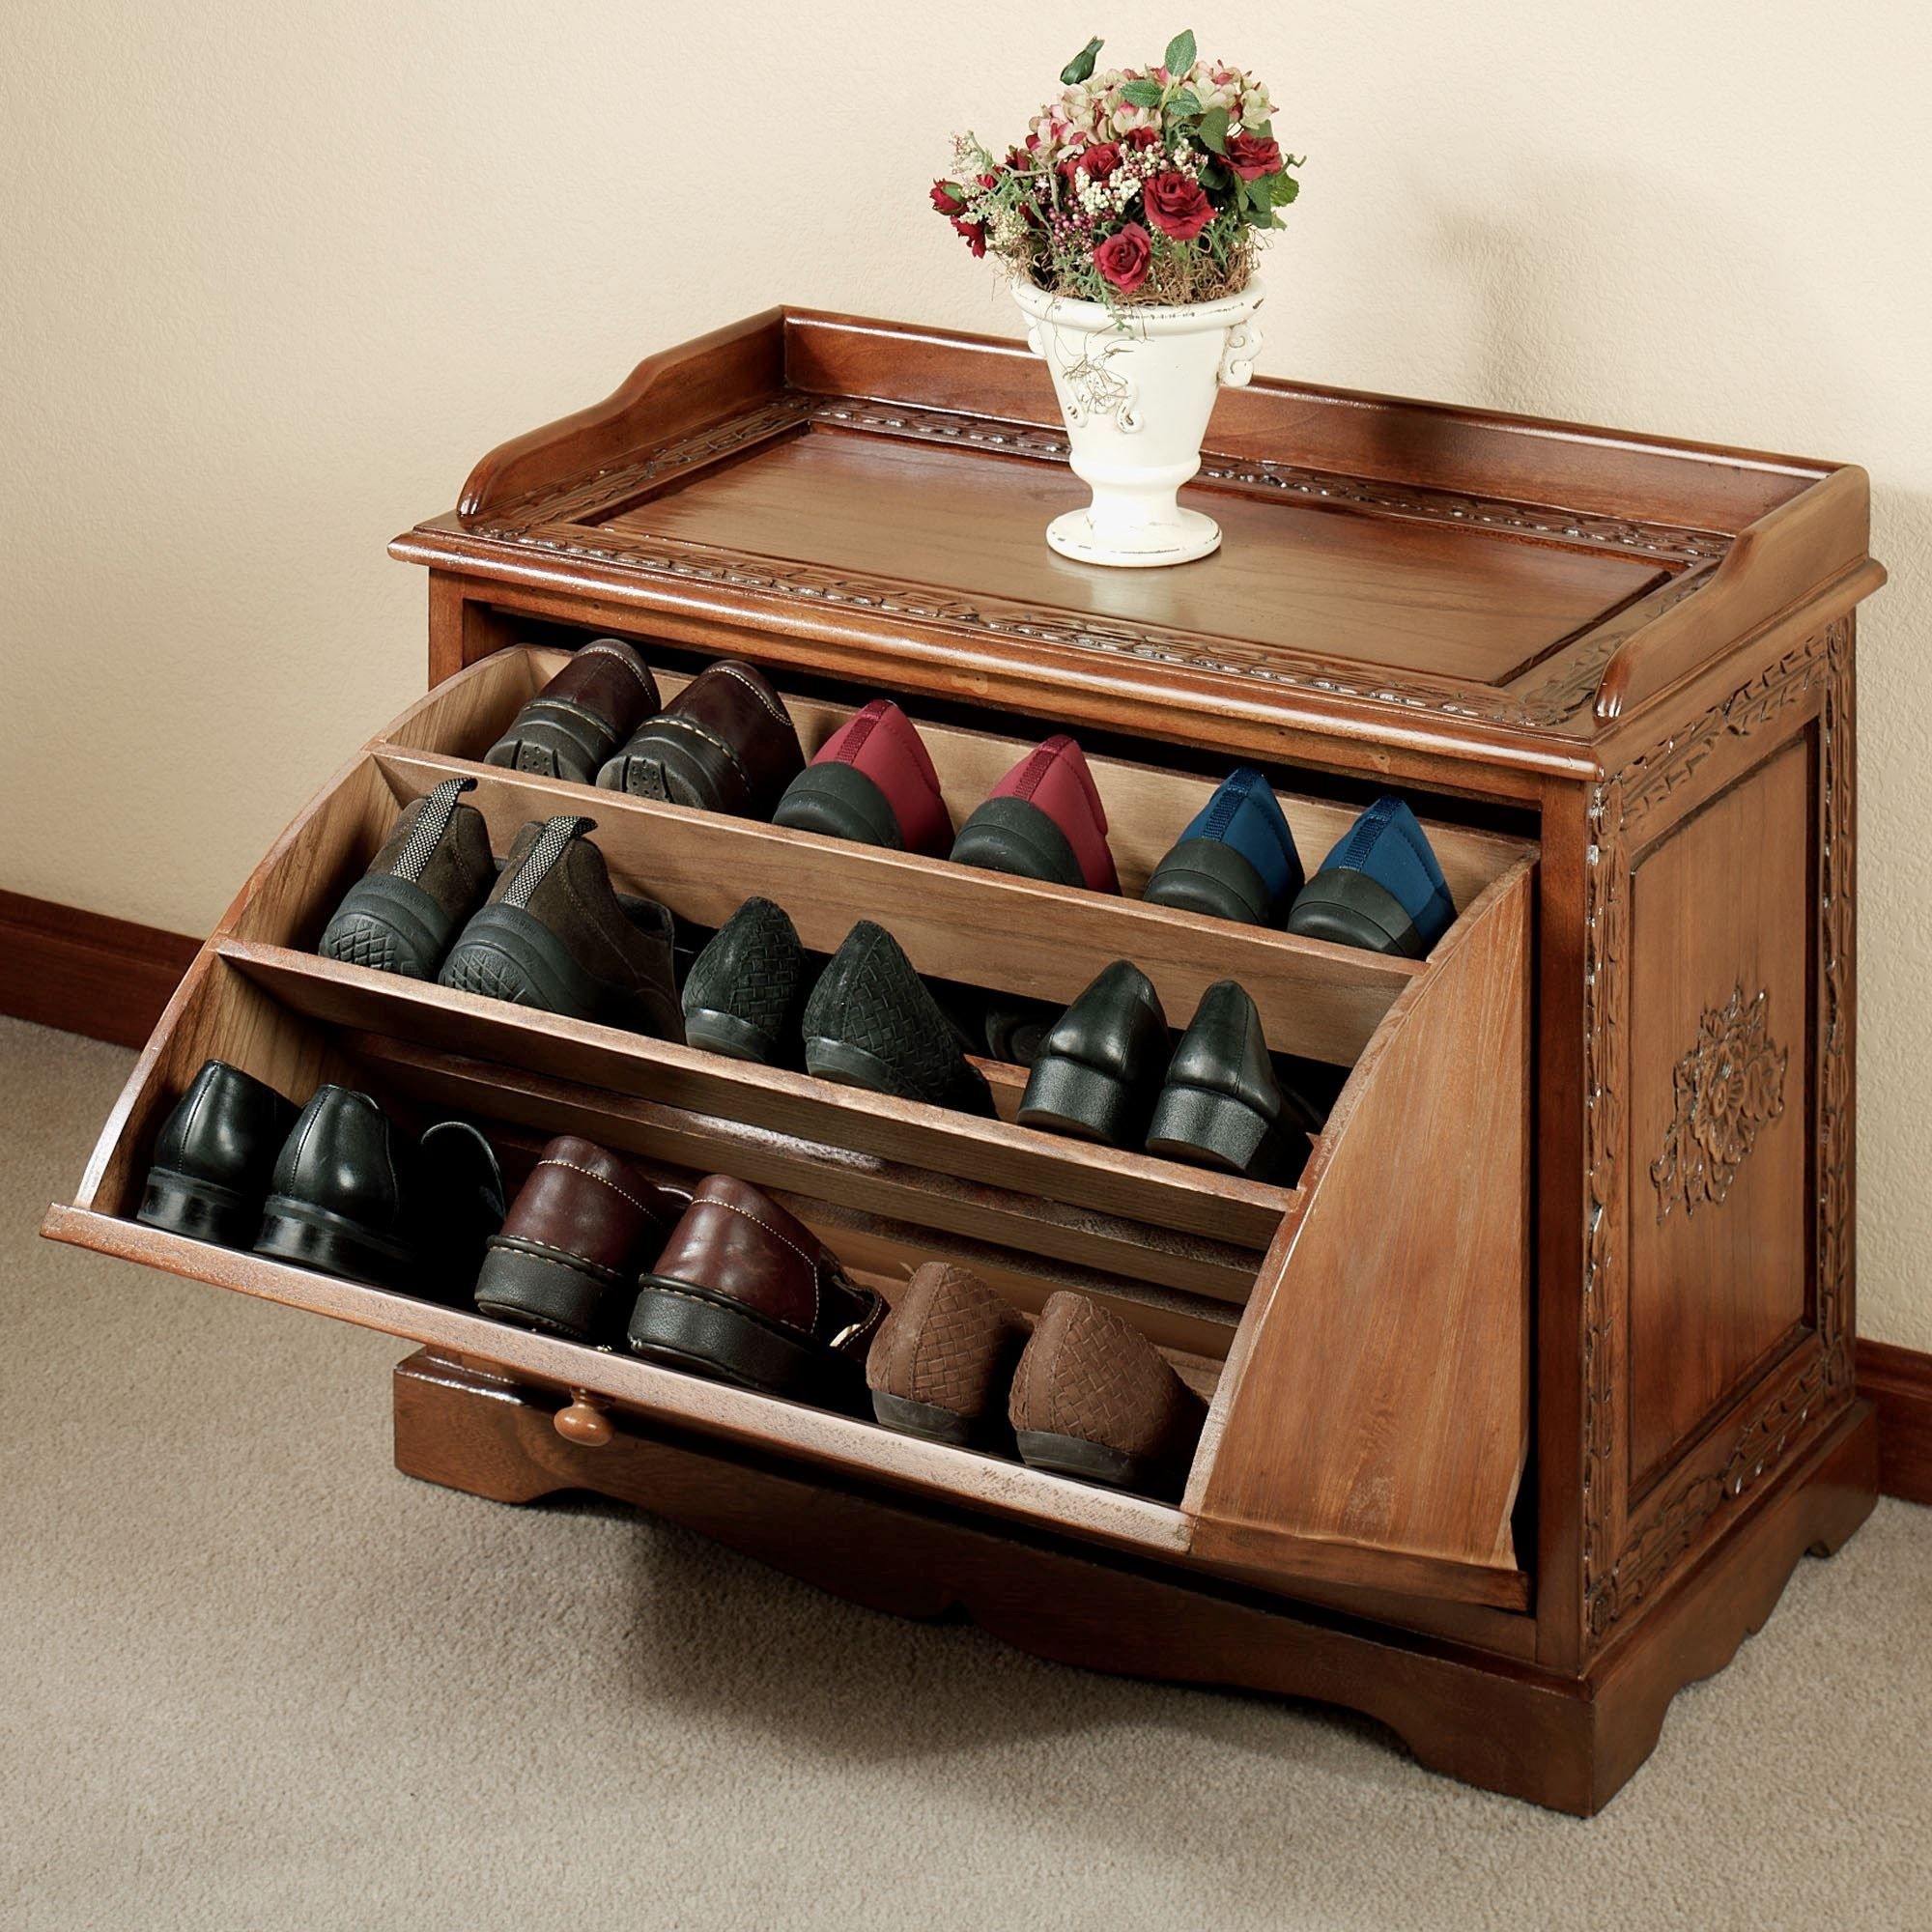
(1530, 1390)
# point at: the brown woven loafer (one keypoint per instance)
(942, 1365)
(1094, 1397)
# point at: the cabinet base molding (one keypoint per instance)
(1569, 1744)
(1898, 1382)
(86, 973)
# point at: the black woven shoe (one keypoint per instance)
(556, 936)
(872, 1022)
(434, 870)
(742, 992)
(214, 1156)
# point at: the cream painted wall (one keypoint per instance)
(270, 279)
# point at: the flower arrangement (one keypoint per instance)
(1131, 188)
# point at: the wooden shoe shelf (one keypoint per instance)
(1529, 1389)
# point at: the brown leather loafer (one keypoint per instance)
(579, 1231)
(1094, 1397)
(943, 1361)
(724, 743)
(745, 1292)
(582, 715)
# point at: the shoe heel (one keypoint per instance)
(203, 1210)
(849, 1065)
(1068, 1097)
(1088, 1462)
(1213, 1129)
(838, 802)
(729, 1035)
(668, 772)
(389, 925)
(542, 1291)
(1014, 834)
(312, 1237)
(552, 739)
(1204, 875)
(672, 1325)
(923, 1419)
(506, 953)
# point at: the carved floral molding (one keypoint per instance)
(1728, 1087)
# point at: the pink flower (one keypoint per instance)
(1250, 156)
(1123, 258)
(1175, 205)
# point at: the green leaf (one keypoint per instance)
(1282, 189)
(1179, 56)
(1258, 192)
(1081, 67)
(1214, 130)
(1186, 101)
(1215, 179)
(1142, 92)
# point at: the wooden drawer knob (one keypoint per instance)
(582, 1422)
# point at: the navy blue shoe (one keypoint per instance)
(1381, 887)
(1236, 858)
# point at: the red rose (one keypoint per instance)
(975, 232)
(1143, 137)
(1123, 258)
(948, 199)
(1098, 157)
(1175, 205)
(1250, 156)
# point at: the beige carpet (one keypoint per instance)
(252, 1677)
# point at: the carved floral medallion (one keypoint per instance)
(1728, 1087)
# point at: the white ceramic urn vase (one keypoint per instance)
(1136, 389)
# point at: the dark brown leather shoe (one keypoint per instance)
(942, 1364)
(1094, 1397)
(582, 715)
(579, 1231)
(555, 935)
(724, 743)
(745, 1292)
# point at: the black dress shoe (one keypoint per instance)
(1100, 1065)
(872, 1022)
(742, 993)
(556, 935)
(1221, 1105)
(434, 870)
(352, 1196)
(214, 1156)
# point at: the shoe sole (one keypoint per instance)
(1014, 834)
(926, 1420)
(1213, 1129)
(1068, 1097)
(203, 1210)
(541, 1289)
(726, 1034)
(1348, 908)
(1094, 1463)
(682, 1327)
(389, 925)
(553, 739)
(839, 802)
(671, 772)
(1204, 875)
(317, 1237)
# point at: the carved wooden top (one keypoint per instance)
(1378, 553)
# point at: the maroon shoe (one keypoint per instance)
(872, 781)
(745, 1292)
(1043, 820)
(582, 1228)
(724, 743)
